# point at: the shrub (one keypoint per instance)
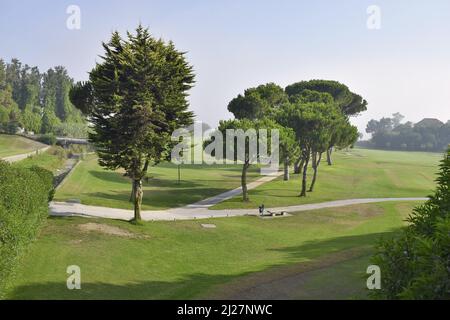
(49, 139)
(12, 127)
(416, 265)
(58, 151)
(24, 196)
(72, 129)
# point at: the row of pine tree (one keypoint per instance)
(38, 102)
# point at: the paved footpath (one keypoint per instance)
(22, 156)
(200, 210)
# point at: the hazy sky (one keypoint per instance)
(233, 45)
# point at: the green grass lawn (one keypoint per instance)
(13, 145)
(357, 173)
(93, 185)
(52, 160)
(183, 260)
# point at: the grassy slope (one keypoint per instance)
(49, 160)
(182, 260)
(358, 173)
(95, 186)
(13, 145)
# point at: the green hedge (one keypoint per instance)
(416, 265)
(24, 196)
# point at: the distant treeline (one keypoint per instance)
(428, 134)
(37, 102)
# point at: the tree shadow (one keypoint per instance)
(158, 180)
(210, 286)
(186, 288)
(162, 199)
(110, 176)
(311, 249)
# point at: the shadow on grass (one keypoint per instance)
(186, 288)
(237, 286)
(110, 176)
(159, 199)
(311, 249)
(160, 181)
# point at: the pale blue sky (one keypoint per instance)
(233, 45)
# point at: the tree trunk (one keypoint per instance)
(244, 181)
(305, 169)
(315, 165)
(137, 186)
(132, 192)
(298, 165)
(286, 169)
(329, 150)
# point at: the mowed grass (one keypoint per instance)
(11, 145)
(93, 185)
(182, 260)
(357, 173)
(51, 160)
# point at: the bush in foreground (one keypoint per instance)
(417, 264)
(24, 196)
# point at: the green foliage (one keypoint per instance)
(49, 121)
(136, 98)
(417, 264)
(349, 102)
(334, 94)
(313, 123)
(245, 131)
(289, 148)
(9, 111)
(257, 103)
(4, 116)
(12, 127)
(245, 125)
(31, 119)
(37, 102)
(426, 135)
(58, 151)
(318, 125)
(6, 99)
(49, 139)
(344, 134)
(312, 96)
(72, 129)
(82, 96)
(143, 81)
(24, 196)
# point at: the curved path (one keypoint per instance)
(19, 157)
(199, 210)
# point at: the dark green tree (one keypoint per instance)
(138, 97)
(313, 124)
(258, 103)
(416, 264)
(37, 96)
(49, 121)
(289, 149)
(350, 104)
(426, 135)
(243, 153)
